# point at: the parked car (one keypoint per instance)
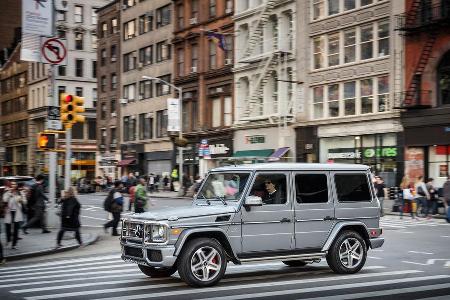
(6, 181)
(296, 213)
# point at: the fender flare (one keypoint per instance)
(194, 231)
(338, 228)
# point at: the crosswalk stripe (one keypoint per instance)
(421, 288)
(205, 290)
(326, 288)
(60, 262)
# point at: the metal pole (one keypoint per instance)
(180, 137)
(52, 101)
(67, 169)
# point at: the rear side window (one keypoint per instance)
(352, 188)
(311, 188)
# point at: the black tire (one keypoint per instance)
(294, 263)
(189, 255)
(155, 272)
(345, 265)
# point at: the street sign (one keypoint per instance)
(173, 114)
(54, 118)
(54, 51)
(37, 17)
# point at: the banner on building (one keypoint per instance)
(37, 17)
(30, 50)
(173, 114)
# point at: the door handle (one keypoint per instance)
(285, 220)
(328, 218)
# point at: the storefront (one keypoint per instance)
(159, 162)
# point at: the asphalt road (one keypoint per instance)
(414, 263)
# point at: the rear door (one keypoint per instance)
(314, 209)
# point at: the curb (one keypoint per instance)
(50, 250)
(442, 217)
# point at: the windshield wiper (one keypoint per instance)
(207, 200)
(222, 199)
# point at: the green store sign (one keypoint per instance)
(380, 152)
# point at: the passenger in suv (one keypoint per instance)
(296, 213)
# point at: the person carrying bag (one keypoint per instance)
(70, 216)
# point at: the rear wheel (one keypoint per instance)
(157, 272)
(348, 253)
(294, 263)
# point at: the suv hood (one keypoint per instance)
(180, 212)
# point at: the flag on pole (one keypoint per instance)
(217, 38)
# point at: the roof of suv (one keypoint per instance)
(295, 166)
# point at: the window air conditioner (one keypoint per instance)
(149, 115)
(193, 21)
(194, 69)
(140, 65)
(219, 90)
(102, 146)
(228, 10)
(123, 101)
(228, 61)
(133, 117)
(141, 97)
(113, 115)
(165, 88)
(113, 58)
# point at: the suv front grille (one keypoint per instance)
(133, 230)
(134, 252)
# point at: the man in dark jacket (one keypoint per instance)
(116, 207)
(39, 199)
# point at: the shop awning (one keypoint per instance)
(126, 162)
(253, 153)
(278, 153)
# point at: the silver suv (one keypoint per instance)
(296, 213)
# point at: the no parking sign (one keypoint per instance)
(54, 51)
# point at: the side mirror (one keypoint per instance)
(253, 201)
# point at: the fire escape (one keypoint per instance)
(422, 19)
(267, 63)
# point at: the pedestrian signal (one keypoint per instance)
(46, 141)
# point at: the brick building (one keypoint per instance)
(9, 27)
(203, 68)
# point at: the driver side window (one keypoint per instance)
(271, 188)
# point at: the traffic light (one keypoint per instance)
(71, 107)
(46, 141)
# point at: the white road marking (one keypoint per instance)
(324, 288)
(390, 292)
(88, 217)
(374, 257)
(409, 232)
(445, 236)
(377, 250)
(419, 252)
(429, 262)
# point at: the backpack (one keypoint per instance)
(107, 204)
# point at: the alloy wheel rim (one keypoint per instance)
(351, 253)
(206, 263)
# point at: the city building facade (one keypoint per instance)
(108, 89)
(351, 70)
(145, 50)
(425, 99)
(10, 29)
(203, 60)
(265, 77)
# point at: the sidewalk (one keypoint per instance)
(36, 243)
(387, 208)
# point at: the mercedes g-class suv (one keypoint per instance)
(296, 213)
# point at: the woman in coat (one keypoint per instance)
(14, 200)
(70, 212)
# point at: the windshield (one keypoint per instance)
(225, 186)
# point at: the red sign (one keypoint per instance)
(53, 51)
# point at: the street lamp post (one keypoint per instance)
(180, 132)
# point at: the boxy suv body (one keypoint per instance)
(296, 213)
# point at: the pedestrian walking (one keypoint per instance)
(446, 195)
(380, 188)
(116, 198)
(140, 197)
(70, 216)
(14, 200)
(407, 198)
(422, 196)
(39, 199)
(151, 182)
(2, 215)
(432, 202)
(132, 193)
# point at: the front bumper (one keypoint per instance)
(162, 256)
(376, 242)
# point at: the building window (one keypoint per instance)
(113, 81)
(366, 42)
(212, 8)
(103, 111)
(94, 16)
(366, 2)
(148, 127)
(145, 23)
(94, 69)
(78, 41)
(103, 83)
(350, 98)
(349, 45)
(114, 25)
(333, 100)
(129, 61)
(333, 7)
(129, 30)
(349, 4)
(78, 67)
(180, 62)
(141, 126)
(113, 136)
(162, 51)
(132, 128)
(129, 91)
(443, 74)
(333, 50)
(319, 44)
(383, 93)
(103, 135)
(194, 9)
(163, 16)
(94, 97)
(61, 34)
(61, 15)
(103, 57)
(180, 17)
(161, 88)
(113, 53)
(228, 111)
(212, 54)
(78, 14)
(146, 55)
(62, 70)
(104, 29)
(318, 102)
(366, 96)
(228, 49)
(145, 89)
(112, 106)
(161, 123)
(318, 9)
(194, 57)
(79, 91)
(216, 112)
(94, 41)
(383, 39)
(228, 6)
(126, 122)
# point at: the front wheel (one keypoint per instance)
(157, 272)
(348, 253)
(202, 263)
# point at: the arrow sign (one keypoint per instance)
(53, 51)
